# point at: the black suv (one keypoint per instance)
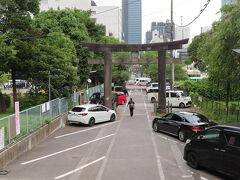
(217, 148)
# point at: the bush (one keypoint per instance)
(203, 88)
(5, 102)
(29, 101)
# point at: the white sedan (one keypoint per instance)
(90, 114)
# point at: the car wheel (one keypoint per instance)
(91, 122)
(113, 117)
(182, 136)
(182, 105)
(153, 100)
(192, 160)
(123, 102)
(155, 128)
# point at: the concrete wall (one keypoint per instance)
(26, 144)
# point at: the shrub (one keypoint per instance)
(5, 102)
(28, 101)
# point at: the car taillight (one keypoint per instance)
(84, 114)
(197, 128)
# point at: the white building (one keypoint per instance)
(62, 4)
(182, 33)
(205, 29)
(110, 17)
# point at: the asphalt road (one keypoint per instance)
(126, 149)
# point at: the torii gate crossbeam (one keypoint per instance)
(107, 49)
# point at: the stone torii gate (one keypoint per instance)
(107, 50)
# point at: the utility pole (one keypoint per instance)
(49, 86)
(171, 52)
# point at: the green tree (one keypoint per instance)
(78, 26)
(15, 24)
(58, 56)
(120, 73)
(216, 51)
(152, 69)
(193, 51)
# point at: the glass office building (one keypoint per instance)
(132, 21)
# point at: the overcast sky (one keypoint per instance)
(159, 10)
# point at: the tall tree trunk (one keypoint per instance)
(227, 97)
(14, 86)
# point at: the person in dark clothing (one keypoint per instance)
(125, 91)
(131, 105)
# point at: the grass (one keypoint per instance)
(216, 110)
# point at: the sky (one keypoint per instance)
(159, 11)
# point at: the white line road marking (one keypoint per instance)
(65, 150)
(80, 168)
(102, 168)
(159, 164)
(187, 176)
(203, 178)
(69, 134)
(168, 139)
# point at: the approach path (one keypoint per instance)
(126, 149)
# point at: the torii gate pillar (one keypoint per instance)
(161, 82)
(108, 78)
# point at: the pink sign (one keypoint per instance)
(17, 119)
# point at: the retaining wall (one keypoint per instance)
(24, 145)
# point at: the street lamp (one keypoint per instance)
(88, 81)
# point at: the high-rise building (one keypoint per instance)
(132, 21)
(164, 31)
(228, 2)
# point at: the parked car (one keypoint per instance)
(117, 89)
(121, 98)
(181, 124)
(174, 98)
(96, 98)
(90, 114)
(216, 148)
(151, 85)
(142, 81)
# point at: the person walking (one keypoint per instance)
(131, 105)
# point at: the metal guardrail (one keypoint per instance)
(34, 118)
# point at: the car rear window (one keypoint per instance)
(196, 118)
(78, 109)
(118, 89)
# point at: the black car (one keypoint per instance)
(181, 124)
(216, 148)
(96, 98)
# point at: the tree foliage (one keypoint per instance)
(223, 64)
(152, 69)
(57, 55)
(78, 26)
(15, 25)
